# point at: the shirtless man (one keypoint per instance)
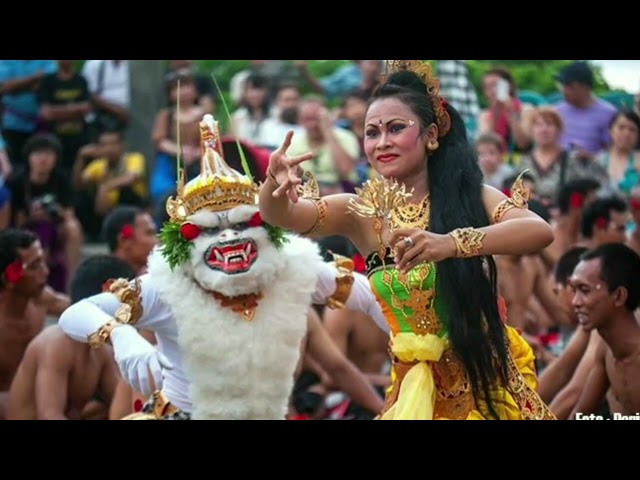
(355, 334)
(59, 378)
(520, 278)
(607, 293)
(319, 349)
(558, 374)
(604, 221)
(130, 233)
(25, 301)
(573, 198)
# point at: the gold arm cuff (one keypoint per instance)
(344, 282)
(102, 336)
(129, 295)
(321, 208)
(468, 242)
(503, 207)
(519, 199)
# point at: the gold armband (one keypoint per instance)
(519, 199)
(468, 242)
(103, 334)
(344, 282)
(310, 190)
(128, 313)
(321, 208)
(129, 295)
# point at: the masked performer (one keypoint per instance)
(227, 296)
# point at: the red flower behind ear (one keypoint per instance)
(635, 204)
(126, 231)
(602, 223)
(14, 272)
(255, 221)
(190, 231)
(576, 200)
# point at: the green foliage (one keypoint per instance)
(277, 235)
(175, 248)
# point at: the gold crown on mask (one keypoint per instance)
(218, 187)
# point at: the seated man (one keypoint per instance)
(59, 378)
(607, 294)
(130, 233)
(107, 176)
(25, 301)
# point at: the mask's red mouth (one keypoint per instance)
(232, 257)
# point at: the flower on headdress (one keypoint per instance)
(255, 221)
(14, 271)
(576, 200)
(635, 204)
(602, 223)
(190, 231)
(444, 102)
(126, 231)
(507, 192)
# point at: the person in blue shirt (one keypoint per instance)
(19, 83)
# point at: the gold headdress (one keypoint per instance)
(423, 70)
(218, 187)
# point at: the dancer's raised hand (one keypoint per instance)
(286, 171)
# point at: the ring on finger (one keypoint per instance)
(408, 242)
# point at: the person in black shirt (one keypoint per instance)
(64, 98)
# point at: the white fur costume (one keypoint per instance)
(225, 366)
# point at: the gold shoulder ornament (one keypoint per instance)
(520, 196)
(344, 282)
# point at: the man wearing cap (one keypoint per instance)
(586, 117)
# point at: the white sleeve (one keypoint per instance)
(360, 299)
(90, 73)
(85, 317)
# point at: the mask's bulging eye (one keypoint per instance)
(189, 231)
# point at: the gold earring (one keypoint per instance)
(433, 145)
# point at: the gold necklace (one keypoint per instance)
(412, 215)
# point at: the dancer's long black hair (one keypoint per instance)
(468, 293)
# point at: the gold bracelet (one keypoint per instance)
(129, 295)
(321, 208)
(103, 334)
(468, 242)
(344, 282)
